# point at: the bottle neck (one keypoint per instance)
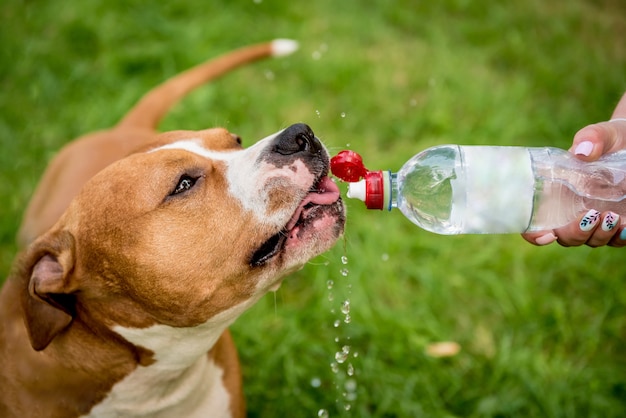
(378, 190)
(393, 190)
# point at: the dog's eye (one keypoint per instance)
(185, 183)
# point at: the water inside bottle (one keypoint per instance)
(423, 189)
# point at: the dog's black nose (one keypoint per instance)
(297, 138)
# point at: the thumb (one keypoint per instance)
(602, 138)
(598, 139)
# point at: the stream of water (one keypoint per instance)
(342, 363)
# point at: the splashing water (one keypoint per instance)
(350, 370)
(342, 356)
(345, 307)
(322, 413)
(342, 367)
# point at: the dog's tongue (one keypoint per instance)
(327, 193)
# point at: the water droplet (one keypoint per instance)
(330, 284)
(345, 307)
(336, 339)
(343, 114)
(316, 382)
(317, 112)
(355, 355)
(331, 297)
(385, 257)
(334, 367)
(322, 413)
(344, 259)
(337, 323)
(342, 355)
(344, 272)
(347, 319)
(350, 370)
(316, 55)
(269, 75)
(347, 407)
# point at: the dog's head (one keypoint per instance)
(192, 230)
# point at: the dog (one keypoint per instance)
(140, 249)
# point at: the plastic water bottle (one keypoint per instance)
(452, 189)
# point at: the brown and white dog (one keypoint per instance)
(141, 249)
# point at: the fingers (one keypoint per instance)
(594, 229)
(592, 141)
(540, 238)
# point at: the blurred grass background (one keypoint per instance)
(542, 330)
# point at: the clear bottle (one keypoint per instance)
(452, 189)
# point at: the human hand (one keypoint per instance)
(594, 229)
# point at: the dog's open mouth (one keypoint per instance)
(323, 198)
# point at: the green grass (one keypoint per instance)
(542, 330)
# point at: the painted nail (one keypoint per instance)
(622, 235)
(584, 148)
(546, 239)
(610, 221)
(589, 221)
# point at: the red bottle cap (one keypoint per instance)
(348, 166)
(374, 190)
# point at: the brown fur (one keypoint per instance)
(59, 377)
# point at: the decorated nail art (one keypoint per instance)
(590, 220)
(610, 221)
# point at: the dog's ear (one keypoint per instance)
(48, 301)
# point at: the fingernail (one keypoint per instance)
(622, 235)
(546, 239)
(610, 221)
(589, 221)
(584, 148)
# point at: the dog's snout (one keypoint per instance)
(297, 138)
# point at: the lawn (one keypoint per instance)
(542, 331)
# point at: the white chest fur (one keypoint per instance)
(182, 382)
(196, 392)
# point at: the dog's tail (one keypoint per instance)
(153, 106)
